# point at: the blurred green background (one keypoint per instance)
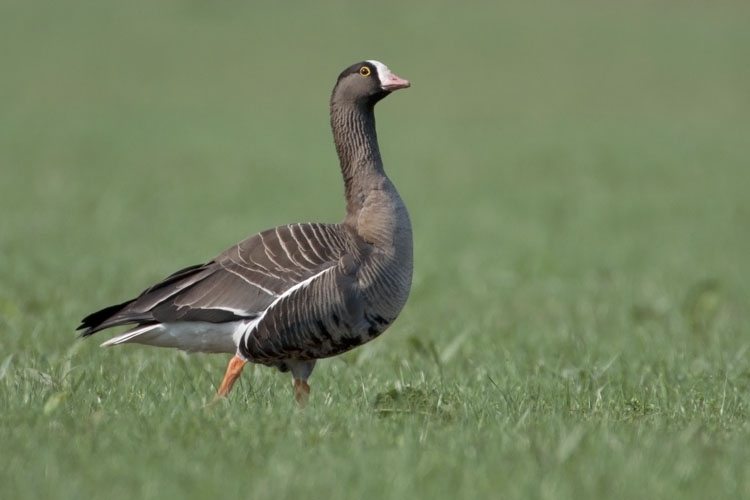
(577, 177)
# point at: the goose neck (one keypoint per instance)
(356, 139)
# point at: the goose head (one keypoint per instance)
(367, 82)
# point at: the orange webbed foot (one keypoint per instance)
(301, 392)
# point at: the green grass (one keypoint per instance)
(577, 175)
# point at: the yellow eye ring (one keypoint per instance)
(364, 71)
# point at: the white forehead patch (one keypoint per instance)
(382, 68)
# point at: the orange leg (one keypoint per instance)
(301, 391)
(234, 369)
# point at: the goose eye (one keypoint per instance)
(364, 71)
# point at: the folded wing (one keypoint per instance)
(239, 284)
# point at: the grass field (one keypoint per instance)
(577, 175)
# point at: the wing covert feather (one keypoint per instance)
(239, 283)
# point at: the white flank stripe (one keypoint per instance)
(235, 311)
(302, 284)
(129, 335)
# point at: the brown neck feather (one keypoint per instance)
(356, 142)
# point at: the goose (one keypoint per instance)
(293, 294)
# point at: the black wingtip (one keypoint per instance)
(98, 320)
